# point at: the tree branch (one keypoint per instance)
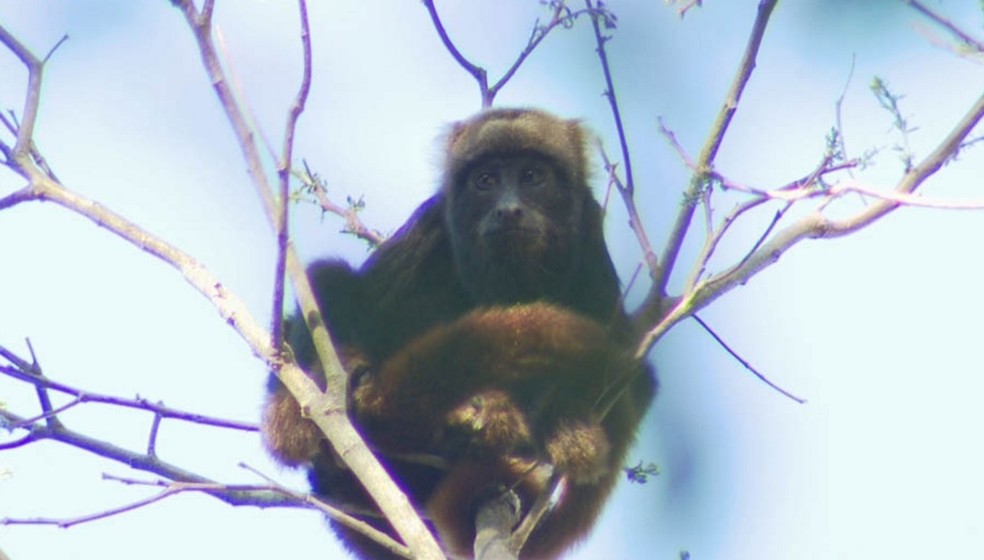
(813, 226)
(946, 24)
(705, 161)
(139, 461)
(328, 407)
(562, 15)
(284, 167)
(32, 100)
(81, 396)
(627, 189)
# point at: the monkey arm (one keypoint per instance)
(509, 374)
(288, 434)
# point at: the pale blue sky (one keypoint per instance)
(881, 331)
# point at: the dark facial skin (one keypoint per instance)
(511, 190)
(512, 219)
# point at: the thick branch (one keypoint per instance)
(493, 524)
(328, 408)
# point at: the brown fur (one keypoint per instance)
(485, 335)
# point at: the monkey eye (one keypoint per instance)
(533, 176)
(484, 180)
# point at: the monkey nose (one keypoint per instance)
(509, 214)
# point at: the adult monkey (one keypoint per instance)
(486, 341)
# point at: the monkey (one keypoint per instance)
(488, 332)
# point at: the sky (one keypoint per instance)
(879, 330)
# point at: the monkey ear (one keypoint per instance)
(454, 133)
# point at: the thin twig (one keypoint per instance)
(476, 72)
(350, 214)
(51, 415)
(946, 24)
(537, 35)
(627, 189)
(635, 222)
(838, 112)
(744, 362)
(342, 516)
(539, 508)
(272, 490)
(139, 461)
(562, 16)
(852, 186)
(82, 397)
(51, 51)
(600, 40)
(686, 7)
(283, 173)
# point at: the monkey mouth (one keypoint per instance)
(515, 244)
(512, 233)
(510, 229)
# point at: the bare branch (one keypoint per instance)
(315, 185)
(838, 114)
(342, 516)
(685, 6)
(328, 407)
(493, 523)
(743, 362)
(813, 226)
(915, 177)
(70, 522)
(853, 186)
(600, 40)
(82, 397)
(627, 189)
(946, 24)
(480, 75)
(283, 173)
(229, 306)
(705, 162)
(635, 222)
(539, 508)
(144, 462)
(273, 495)
(32, 99)
(51, 52)
(562, 16)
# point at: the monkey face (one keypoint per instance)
(514, 221)
(511, 196)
